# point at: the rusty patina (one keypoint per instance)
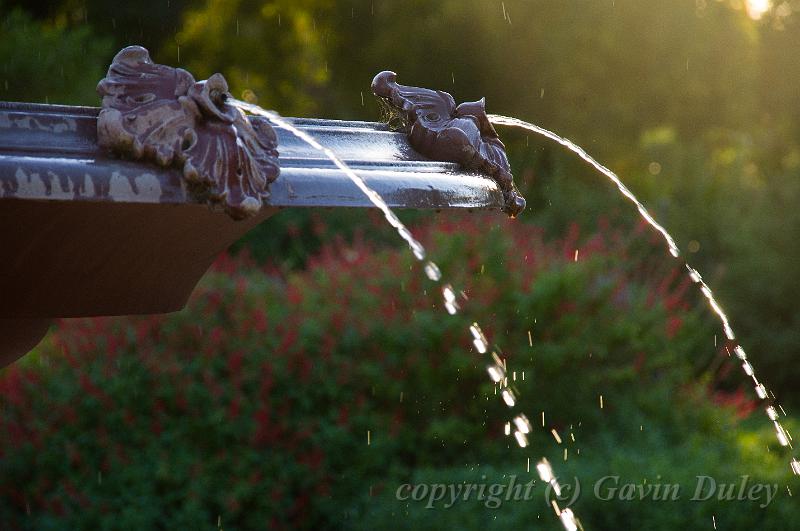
(436, 127)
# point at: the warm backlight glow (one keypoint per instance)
(757, 8)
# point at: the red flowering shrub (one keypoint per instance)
(279, 401)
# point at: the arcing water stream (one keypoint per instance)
(497, 369)
(784, 438)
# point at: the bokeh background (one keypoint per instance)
(314, 370)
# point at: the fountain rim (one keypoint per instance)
(62, 139)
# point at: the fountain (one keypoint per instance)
(126, 207)
(121, 210)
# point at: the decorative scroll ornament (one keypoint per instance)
(439, 129)
(160, 114)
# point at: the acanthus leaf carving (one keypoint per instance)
(442, 130)
(161, 114)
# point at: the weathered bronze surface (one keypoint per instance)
(50, 153)
(160, 114)
(441, 130)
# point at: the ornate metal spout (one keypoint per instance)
(436, 127)
(160, 114)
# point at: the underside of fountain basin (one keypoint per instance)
(86, 233)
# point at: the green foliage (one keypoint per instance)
(647, 457)
(581, 68)
(255, 405)
(691, 101)
(292, 236)
(41, 61)
(168, 422)
(276, 51)
(761, 280)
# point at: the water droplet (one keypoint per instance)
(545, 470)
(450, 303)
(781, 434)
(432, 271)
(522, 423)
(508, 397)
(761, 391)
(546, 474)
(740, 352)
(728, 331)
(495, 373)
(479, 340)
(568, 520)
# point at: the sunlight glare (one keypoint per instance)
(757, 8)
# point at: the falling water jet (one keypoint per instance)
(449, 297)
(416, 248)
(440, 129)
(514, 122)
(760, 388)
(433, 272)
(218, 158)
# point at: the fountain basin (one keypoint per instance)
(89, 234)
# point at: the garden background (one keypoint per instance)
(251, 408)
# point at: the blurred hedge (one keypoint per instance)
(693, 102)
(252, 407)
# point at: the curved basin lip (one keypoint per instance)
(50, 152)
(49, 108)
(310, 123)
(87, 110)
